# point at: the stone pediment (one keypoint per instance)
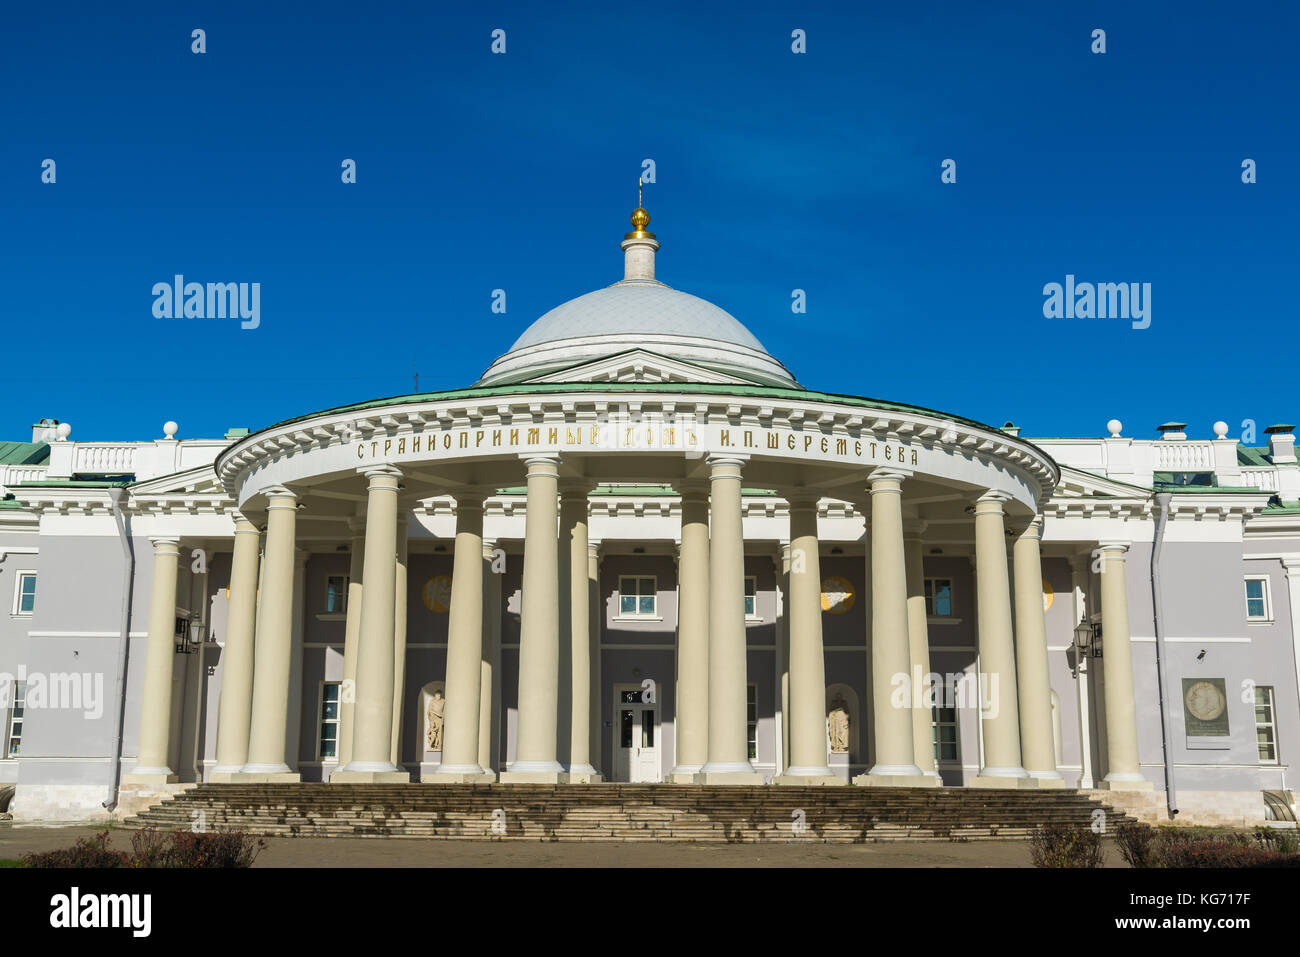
(639, 365)
(1078, 484)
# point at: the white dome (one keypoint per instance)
(638, 314)
(637, 307)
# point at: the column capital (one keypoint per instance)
(541, 463)
(801, 498)
(914, 528)
(576, 485)
(887, 480)
(244, 526)
(1120, 547)
(161, 543)
(1034, 529)
(469, 498)
(719, 460)
(693, 488)
(1291, 565)
(280, 492)
(381, 476)
(992, 502)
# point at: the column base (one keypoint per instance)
(534, 777)
(150, 777)
(258, 777)
(870, 780)
(1122, 785)
(584, 774)
(682, 774)
(459, 777)
(1048, 779)
(743, 778)
(370, 777)
(1007, 783)
(809, 780)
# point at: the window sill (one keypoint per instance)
(750, 619)
(1260, 621)
(332, 616)
(637, 618)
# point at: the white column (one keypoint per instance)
(808, 764)
(399, 634)
(236, 702)
(1032, 673)
(891, 658)
(373, 714)
(293, 731)
(1117, 666)
(918, 643)
(573, 557)
(539, 633)
(1079, 593)
(490, 666)
(596, 616)
(460, 744)
(728, 758)
(692, 718)
(151, 765)
(351, 635)
(999, 710)
(273, 648)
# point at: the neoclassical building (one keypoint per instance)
(638, 549)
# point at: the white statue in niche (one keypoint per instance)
(837, 725)
(433, 717)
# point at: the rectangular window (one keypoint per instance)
(1257, 600)
(751, 596)
(25, 593)
(938, 597)
(336, 594)
(1265, 727)
(944, 724)
(636, 597)
(751, 720)
(329, 720)
(14, 732)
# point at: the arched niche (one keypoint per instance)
(426, 695)
(835, 695)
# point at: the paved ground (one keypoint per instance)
(419, 852)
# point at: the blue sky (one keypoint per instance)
(774, 171)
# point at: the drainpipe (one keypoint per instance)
(115, 496)
(1162, 500)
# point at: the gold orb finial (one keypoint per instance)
(640, 218)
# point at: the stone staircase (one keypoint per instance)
(622, 812)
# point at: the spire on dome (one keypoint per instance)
(639, 245)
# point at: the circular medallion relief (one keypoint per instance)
(437, 594)
(1205, 701)
(838, 595)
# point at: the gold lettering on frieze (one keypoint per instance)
(670, 436)
(446, 440)
(772, 440)
(570, 438)
(553, 436)
(789, 441)
(514, 436)
(807, 442)
(913, 456)
(478, 438)
(826, 445)
(361, 451)
(496, 436)
(401, 446)
(374, 449)
(690, 436)
(627, 437)
(888, 457)
(841, 446)
(857, 448)
(873, 449)
(388, 444)
(534, 436)
(595, 435)
(464, 440)
(726, 436)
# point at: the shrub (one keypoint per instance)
(1063, 845)
(87, 852)
(1273, 839)
(149, 848)
(1135, 842)
(1176, 849)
